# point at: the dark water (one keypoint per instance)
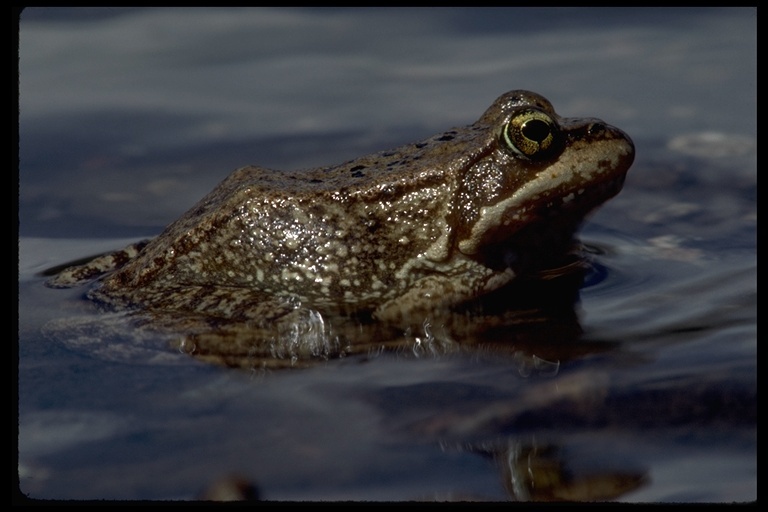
(129, 116)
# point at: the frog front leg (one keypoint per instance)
(440, 290)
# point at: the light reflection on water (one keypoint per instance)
(117, 139)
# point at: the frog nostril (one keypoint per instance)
(596, 128)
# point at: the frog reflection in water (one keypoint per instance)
(392, 238)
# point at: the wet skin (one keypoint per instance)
(393, 237)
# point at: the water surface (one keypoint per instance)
(129, 116)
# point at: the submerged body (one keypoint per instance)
(395, 236)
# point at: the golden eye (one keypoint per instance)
(531, 134)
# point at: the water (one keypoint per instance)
(129, 116)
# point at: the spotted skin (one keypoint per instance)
(392, 237)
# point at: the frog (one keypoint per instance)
(393, 239)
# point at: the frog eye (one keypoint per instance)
(531, 134)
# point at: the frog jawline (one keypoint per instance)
(548, 240)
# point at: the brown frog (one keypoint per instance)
(395, 237)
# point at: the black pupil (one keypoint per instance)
(536, 130)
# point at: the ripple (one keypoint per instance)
(713, 144)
